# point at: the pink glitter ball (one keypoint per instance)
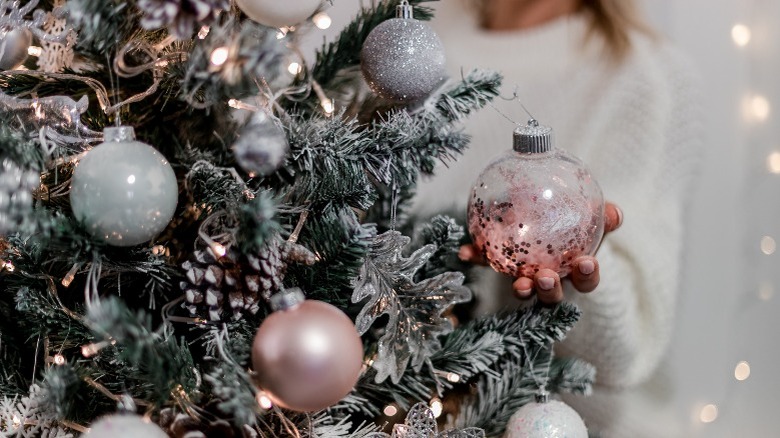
(536, 210)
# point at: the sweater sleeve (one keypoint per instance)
(648, 123)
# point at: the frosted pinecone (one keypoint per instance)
(181, 17)
(235, 283)
(178, 425)
(16, 196)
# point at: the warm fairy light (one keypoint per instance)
(773, 162)
(390, 410)
(131, 179)
(34, 51)
(203, 32)
(328, 106)
(766, 291)
(90, 350)
(708, 414)
(233, 103)
(59, 359)
(453, 378)
(768, 245)
(742, 371)
(740, 34)
(436, 407)
(37, 109)
(294, 68)
(757, 108)
(264, 401)
(8, 266)
(219, 250)
(322, 20)
(17, 421)
(219, 56)
(282, 32)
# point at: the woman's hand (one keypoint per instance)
(546, 283)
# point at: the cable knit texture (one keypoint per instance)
(635, 124)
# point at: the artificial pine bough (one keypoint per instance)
(165, 328)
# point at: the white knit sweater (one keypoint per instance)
(635, 124)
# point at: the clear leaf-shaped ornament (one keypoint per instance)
(414, 308)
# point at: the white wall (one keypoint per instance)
(722, 320)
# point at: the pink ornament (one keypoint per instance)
(552, 419)
(535, 207)
(308, 356)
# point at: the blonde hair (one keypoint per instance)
(615, 20)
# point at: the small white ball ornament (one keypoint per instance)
(123, 190)
(403, 58)
(124, 426)
(13, 48)
(551, 419)
(279, 13)
(261, 146)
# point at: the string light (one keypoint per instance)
(59, 359)
(8, 266)
(390, 410)
(708, 413)
(768, 245)
(766, 291)
(740, 34)
(742, 371)
(219, 250)
(282, 32)
(264, 401)
(35, 51)
(322, 20)
(436, 407)
(17, 421)
(328, 106)
(294, 68)
(203, 32)
(757, 108)
(453, 378)
(219, 56)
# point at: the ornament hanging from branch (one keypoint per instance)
(13, 15)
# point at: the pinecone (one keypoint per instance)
(179, 16)
(179, 425)
(16, 197)
(236, 282)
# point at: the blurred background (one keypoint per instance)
(719, 379)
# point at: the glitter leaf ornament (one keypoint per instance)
(403, 58)
(415, 308)
(421, 423)
(535, 207)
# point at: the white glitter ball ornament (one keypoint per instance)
(124, 190)
(124, 426)
(552, 419)
(13, 48)
(276, 13)
(403, 58)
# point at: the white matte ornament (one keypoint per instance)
(13, 48)
(276, 13)
(124, 426)
(403, 58)
(124, 190)
(552, 419)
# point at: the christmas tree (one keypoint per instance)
(135, 273)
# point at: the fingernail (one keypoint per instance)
(524, 293)
(586, 267)
(546, 283)
(619, 216)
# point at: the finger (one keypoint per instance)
(548, 287)
(613, 217)
(523, 287)
(470, 253)
(585, 274)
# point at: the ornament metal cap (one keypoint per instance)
(287, 299)
(542, 396)
(118, 133)
(404, 10)
(533, 138)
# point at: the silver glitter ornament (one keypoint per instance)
(552, 419)
(403, 58)
(123, 190)
(13, 48)
(262, 145)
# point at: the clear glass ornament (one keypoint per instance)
(535, 207)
